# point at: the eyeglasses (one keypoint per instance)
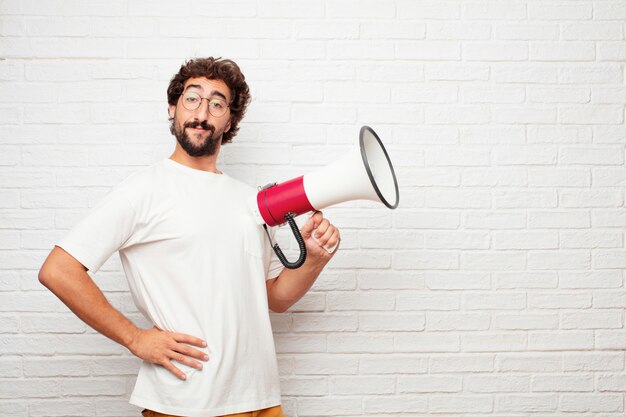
(217, 105)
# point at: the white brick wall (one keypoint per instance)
(495, 289)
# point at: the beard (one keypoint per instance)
(206, 148)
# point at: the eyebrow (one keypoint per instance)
(213, 93)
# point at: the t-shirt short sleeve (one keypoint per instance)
(275, 266)
(102, 232)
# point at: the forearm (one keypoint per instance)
(292, 284)
(74, 287)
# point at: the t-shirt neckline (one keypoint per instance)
(192, 171)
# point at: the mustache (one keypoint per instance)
(196, 123)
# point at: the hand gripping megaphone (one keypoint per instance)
(363, 173)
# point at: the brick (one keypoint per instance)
(456, 240)
(527, 403)
(493, 383)
(427, 342)
(525, 240)
(365, 301)
(48, 323)
(304, 386)
(559, 219)
(326, 364)
(526, 321)
(61, 408)
(529, 362)
(529, 32)
(493, 261)
(393, 364)
(592, 320)
(429, 10)
(449, 30)
(439, 260)
(460, 404)
(429, 384)
(494, 220)
(298, 343)
(561, 340)
(424, 94)
(495, 177)
(14, 408)
(462, 363)
(559, 95)
(329, 406)
(610, 298)
(355, 49)
(592, 403)
(395, 404)
(536, 155)
(457, 281)
(495, 51)
(559, 260)
(496, 342)
(525, 74)
(561, 383)
(360, 343)
(445, 199)
(456, 72)
(434, 301)
(610, 10)
(518, 280)
(593, 279)
(362, 385)
(559, 134)
(610, 340)
(390, 280)
(458, 114)
(391, 322)
(465, 321)
(611, 383)
(452, 157)
(312, 322)
(596, 114)
(527, 199)
(428, 50)
(499, 94)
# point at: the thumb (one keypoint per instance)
(310, 225)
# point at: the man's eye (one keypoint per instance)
(191, 99)
(216, 104)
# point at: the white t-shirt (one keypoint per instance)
(196, 263)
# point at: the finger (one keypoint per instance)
(185, 360)
(333, 242)
(311, 224)
(326, 235)
(190, 340)
(321, 229)
(177, 372)
(189, 351)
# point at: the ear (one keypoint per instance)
(171, 111)
(227, 128)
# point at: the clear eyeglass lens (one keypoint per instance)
(217, 106)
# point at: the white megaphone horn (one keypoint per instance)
(363, 173)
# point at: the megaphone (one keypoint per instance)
(363, 173)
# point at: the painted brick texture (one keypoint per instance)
(495, 289)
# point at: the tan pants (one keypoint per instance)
(267, 412)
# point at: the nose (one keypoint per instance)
(202, 112)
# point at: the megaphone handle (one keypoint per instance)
(296, 233)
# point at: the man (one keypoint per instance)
(198, 266)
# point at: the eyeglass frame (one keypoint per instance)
(182, 95)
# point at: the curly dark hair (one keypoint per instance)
(215, 69)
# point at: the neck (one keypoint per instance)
(204, 163)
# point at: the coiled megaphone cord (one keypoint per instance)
(296, 233)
